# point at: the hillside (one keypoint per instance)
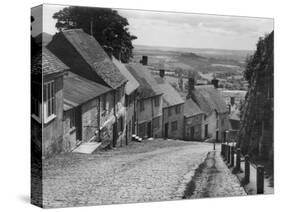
(43, 38)
(256, 133)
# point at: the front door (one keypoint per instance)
(217, 136)
(78, 124)
(192, 133)
(166, 130)
(206, 130)
(114, 141)
(149, 129)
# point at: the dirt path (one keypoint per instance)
(213, 179)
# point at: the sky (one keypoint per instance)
(184, 30)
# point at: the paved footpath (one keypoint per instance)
(214, 179)
(154, 170)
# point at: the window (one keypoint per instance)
(169, 111)
(103, 103)
(36, 109)
(49, 91)
(178, 109)
(141, 105)
(156, 122)
(157, 101)
(174, 125)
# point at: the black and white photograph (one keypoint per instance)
(133, 106)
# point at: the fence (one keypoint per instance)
(233, 158)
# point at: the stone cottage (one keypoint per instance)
(46, 119)
(130, 100)
(82, 110)
(149, 102)
(86, 58)
(172, 109)
(210, 101)
(193, 121)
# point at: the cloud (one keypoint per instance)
(175, 29)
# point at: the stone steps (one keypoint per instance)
(136, 138)
(87, 147)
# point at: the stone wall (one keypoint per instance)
(197, 123)
(174, 117)
(150, 112)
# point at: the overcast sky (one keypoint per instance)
(181, 29)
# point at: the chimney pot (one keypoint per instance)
(215, 82)
(144, 60)
(162, 73)
(191, 84)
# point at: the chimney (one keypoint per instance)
(191, 84)
(144, 60)
(232, 100)
(215, 82)
(162, 73)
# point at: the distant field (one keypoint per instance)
(204, 61)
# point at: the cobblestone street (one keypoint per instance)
(153, 170)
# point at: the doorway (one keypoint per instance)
(166, 130)
(217, 136)
(206, 130)
(192, 133)
(149, 129)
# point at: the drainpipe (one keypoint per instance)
(152, 117)
(115, 116)
(99, 131)
(163, 121)
(136, 117)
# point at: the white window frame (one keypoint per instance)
(48, 118)
(36, 117)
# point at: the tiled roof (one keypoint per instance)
(208, 98)
(148, 85)
(91, 51)
(191, 108)
(132, 83)
(46, 62)
(170, 95)
(51, 64)
(78, 90)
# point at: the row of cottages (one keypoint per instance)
(100, 116)
(131, 95)
(149, 103)
(215, 112)
(88, 97)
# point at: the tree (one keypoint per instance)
(106, 25)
